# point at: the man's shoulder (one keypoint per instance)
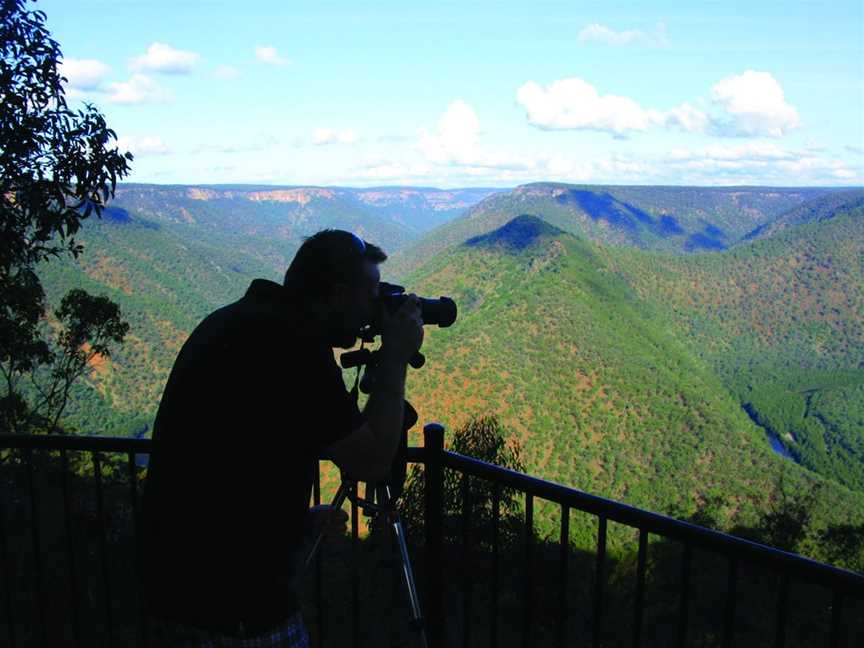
(262, 311)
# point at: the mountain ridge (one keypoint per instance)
(593, 378)
(672, 219)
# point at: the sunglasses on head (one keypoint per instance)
(359, 244)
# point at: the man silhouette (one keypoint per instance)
(253, 399)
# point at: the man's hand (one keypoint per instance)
(402, 334)
(324, 518)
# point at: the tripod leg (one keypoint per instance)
(408, 574)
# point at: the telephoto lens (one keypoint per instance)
(441, 311)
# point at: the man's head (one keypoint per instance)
(335, 276)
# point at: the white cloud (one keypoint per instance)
(268, 54)
(166, 59)
(139, 89)
(754, 104)
(226, 73)
(750, 105)
(262, 141)
(755, 163)
(323, 136)
(394, 171)
(753, 151)
(456, 137)
(557, 167)
(575, 104)
(456, 142)
(140, 146)
(685, 117)
(83, 74)
(603, 34)
(750, 163)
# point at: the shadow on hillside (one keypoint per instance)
(88, 580)
(517, 234)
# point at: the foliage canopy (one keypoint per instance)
(57, 167)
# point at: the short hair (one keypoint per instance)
(327, 258)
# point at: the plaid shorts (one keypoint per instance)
(291, 634)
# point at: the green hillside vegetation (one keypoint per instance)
(165, 282)
(624, 372)
(674, 219)
(781, 319)
(593, 379)
(819, 209)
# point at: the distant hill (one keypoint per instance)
(781, 320)
(818, 209)
(592, 372)
(673, 219)
(390, 217)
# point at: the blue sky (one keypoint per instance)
(474, 93)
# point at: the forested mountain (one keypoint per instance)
(818, 209)
(392, 217)
(781, 320)
(573, 345)
(674, 219)
(639, 374)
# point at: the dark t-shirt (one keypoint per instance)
(251, 401)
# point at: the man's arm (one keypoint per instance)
(367, 453)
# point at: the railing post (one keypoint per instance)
(433, 443)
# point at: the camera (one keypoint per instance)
(441, 311)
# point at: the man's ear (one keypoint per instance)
(338, 294)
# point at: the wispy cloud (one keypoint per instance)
(268, 54)
(226, 72)
(762, 162)
(142, 146)
(752, 163)
(139, 89)
(602, 34)
(322, 136)
(399, 171)
(165, 59)
(258, 142)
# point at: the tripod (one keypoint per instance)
(378, 500)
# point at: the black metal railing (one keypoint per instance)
(54, 546)
(843, 585)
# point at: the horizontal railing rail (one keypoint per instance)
(843, 585)
(82, 443)
(731, 546)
